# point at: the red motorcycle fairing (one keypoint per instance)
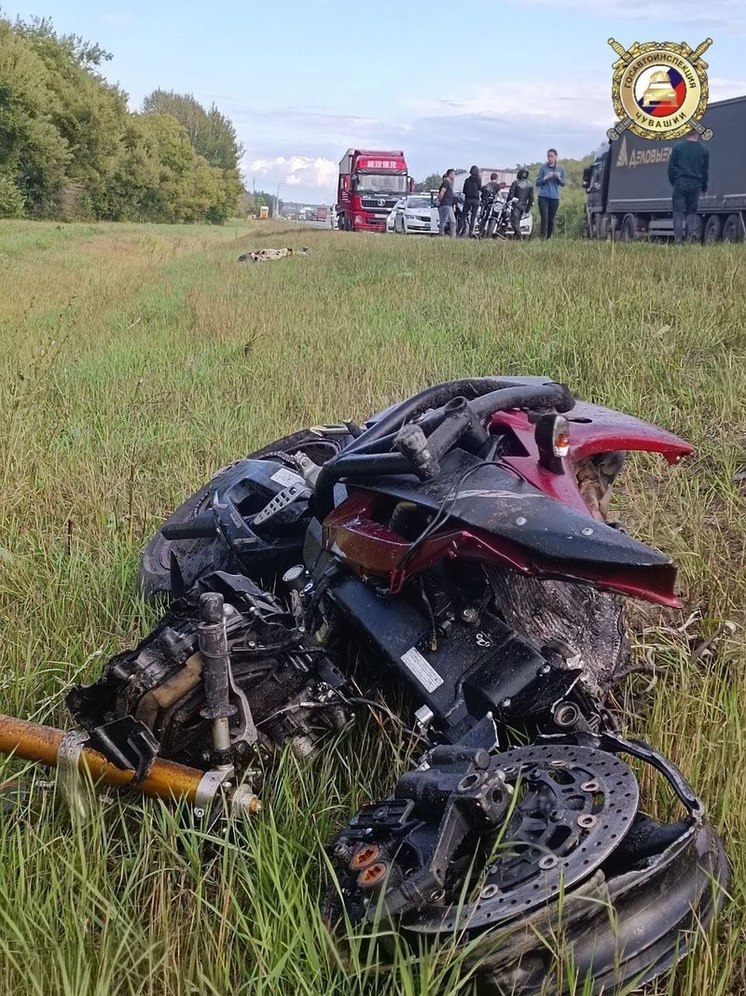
(354, 533)
(593, 430)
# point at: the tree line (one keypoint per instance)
(71, 149)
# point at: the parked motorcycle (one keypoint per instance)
(456, 549)
(495, 221)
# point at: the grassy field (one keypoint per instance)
(134, 360)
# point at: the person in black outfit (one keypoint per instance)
(472, 189)
(523, 189)
(688, 174)
(446, 217)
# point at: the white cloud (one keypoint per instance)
(584, 100)
(722, 89)
(494, 121)
(296, 171)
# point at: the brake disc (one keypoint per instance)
(571, 808)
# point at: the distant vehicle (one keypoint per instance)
(370, 184)
(391, 219)
(263, 212)
(321, 214)
(416, 213)
(504, 176)
(628, 191)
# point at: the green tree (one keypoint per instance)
(431, 182)
(213, 137)
(69, 147)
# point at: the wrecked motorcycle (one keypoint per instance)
(455, 548)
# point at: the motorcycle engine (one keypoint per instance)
(282, 690)
(463, 656)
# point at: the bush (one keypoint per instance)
(11, 198)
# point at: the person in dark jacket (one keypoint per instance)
(688, 174)
(470, 210)
(446, 216)
(549, 180)
(522, 189)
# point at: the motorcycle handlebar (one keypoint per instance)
(494, 396)
(200, 527)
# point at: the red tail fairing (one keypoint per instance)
(517, 512)
(593, 430)
(355, 532)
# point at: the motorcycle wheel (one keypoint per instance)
(197, 557)
(573, 870)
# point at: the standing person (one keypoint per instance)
(523, 190)
(470, 210)
(688, 174)
(551, 177)
(446, 216)
(492, 188)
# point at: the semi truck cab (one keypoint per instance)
(370, 184)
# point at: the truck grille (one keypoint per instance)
(374, 204)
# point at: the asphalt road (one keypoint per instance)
(316, 224)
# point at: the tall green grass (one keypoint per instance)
(134, 360)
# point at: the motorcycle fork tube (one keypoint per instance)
(34, 742)
(213, 645)
(166, 779)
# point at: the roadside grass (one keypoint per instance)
(134, 360)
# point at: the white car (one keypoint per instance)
(416, 213)
(391, 219)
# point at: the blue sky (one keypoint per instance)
(449, 83)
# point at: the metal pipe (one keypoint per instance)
(216, 663)
(166, 779)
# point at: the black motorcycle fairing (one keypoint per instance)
(497, 501)
(171, 566)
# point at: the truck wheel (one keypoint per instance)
(602, 227)
(732, 229)
(713, 229)
(629, 228)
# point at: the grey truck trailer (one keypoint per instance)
(629, 196)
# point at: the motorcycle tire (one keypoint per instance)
(200, 556)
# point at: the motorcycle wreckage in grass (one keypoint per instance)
(456, 550)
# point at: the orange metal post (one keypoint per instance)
(34, 742)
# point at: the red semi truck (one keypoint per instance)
(370, 184)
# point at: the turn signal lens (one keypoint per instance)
(561, 436)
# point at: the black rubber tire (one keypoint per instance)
(628, 231)
(733, 229)
(713, 229)
(201, 556)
